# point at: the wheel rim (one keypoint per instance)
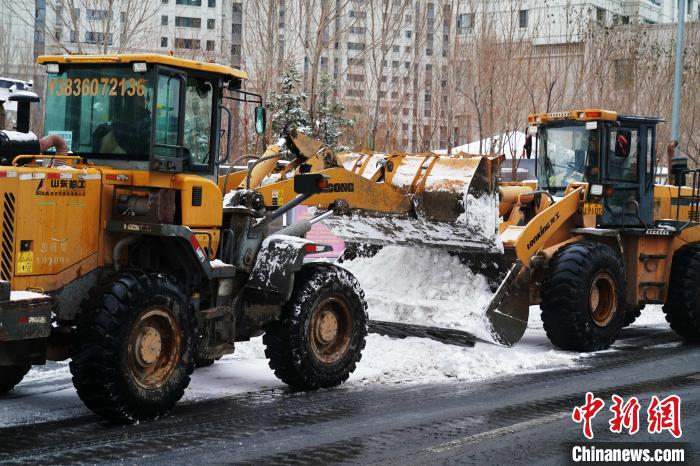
(331, 329)
(603, 298)
(154, 348)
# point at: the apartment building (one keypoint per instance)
(393, 60)
(201, 29)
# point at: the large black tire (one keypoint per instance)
(11, 376)
(133, 348)
(321, 334)
(583, 297)
(682, 307)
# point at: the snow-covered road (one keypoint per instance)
(47, 392)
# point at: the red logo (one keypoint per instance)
(587, 412)
(665, 415)
(625, 415)
(662, 415)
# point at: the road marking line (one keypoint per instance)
(497, 432)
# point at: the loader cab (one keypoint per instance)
(140, 112)
(600, 148)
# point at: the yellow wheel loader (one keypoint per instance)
(592, 240)
(116, 250)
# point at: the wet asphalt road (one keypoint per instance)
(522, 420)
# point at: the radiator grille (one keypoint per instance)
(196, 196)
(8, 237)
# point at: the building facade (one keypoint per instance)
(405, 69)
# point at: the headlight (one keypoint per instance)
(596, 190)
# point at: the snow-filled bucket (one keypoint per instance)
(453, 206)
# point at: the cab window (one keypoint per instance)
(199, 97)
(623, 154)
(167, 115)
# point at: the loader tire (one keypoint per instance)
(682, 307)
(583, 297)
(319, 338)
(10, 376)
(133, 347)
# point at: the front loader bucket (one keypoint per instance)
(453, 205)
(508, 311)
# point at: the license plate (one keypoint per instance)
(25, 262)
(591, 208)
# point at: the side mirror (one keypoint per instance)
(310, 183)
(260, 119)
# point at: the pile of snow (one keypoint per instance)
(423, 287)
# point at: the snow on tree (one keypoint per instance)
(288, 106)
(330, 114)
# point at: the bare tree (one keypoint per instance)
(321, 25)
(10, 52)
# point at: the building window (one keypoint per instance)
(522, 18)
(212, 3)
(356, 46)
(211, 23)
(163, 42)
(465, 23)
(164, 20)
(600, 15)
(164, 2)
(409, 34)
(189, 2)
(210, 45)
(237, 8)
(73, 37)
(191, 44)
(97, 15)
(236, 50)
(236, 28)
(92, 37)
(186, 22)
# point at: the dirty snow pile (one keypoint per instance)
(431, 287)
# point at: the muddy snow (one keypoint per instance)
(415, 286)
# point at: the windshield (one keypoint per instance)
(567, 154)
(101, 111)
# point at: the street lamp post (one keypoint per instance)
(678, 76)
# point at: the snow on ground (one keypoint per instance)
(414, 286)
